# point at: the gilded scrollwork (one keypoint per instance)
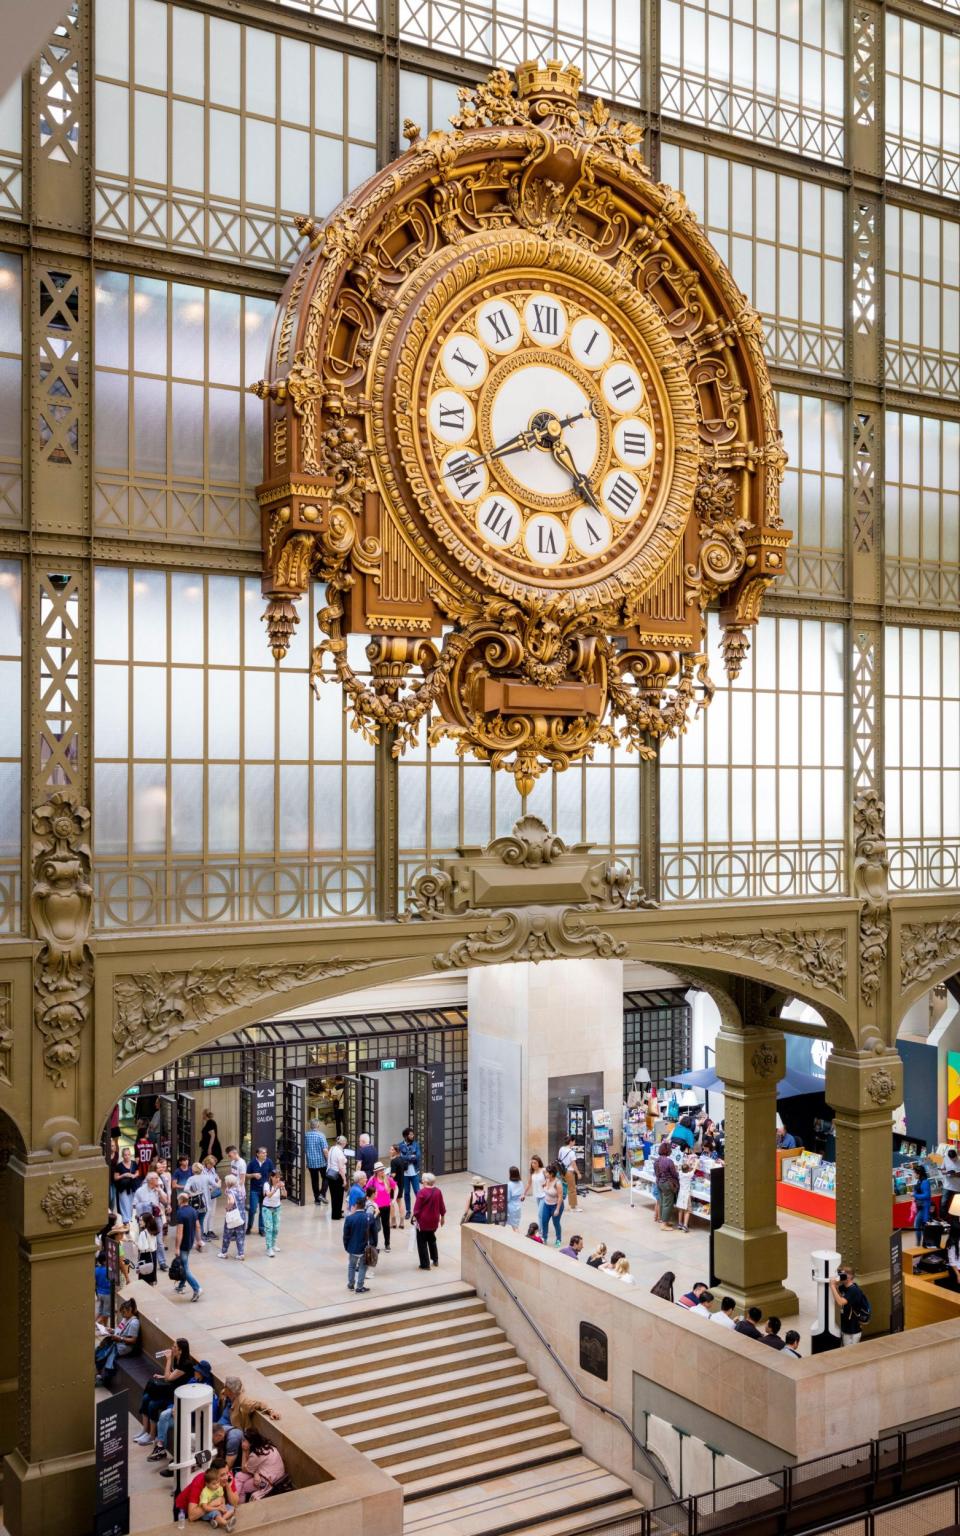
(61, 905)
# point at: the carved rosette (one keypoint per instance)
(66, 1202)
(522, 671)
(61, 904)
(764, 1061)
(880, 1087)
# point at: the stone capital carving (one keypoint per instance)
(61, 903)
(764, 1060)
(880, 1087)
(66, 1202)
(926, 948)
(535, 934)
(152, 1010)
(864, 1082)
(531, 865)
(814, 955)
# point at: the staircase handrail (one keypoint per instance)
(611, 1413)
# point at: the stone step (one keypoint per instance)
(478, 1458)
(343, 1333)
(557, 1499)
(501, 1380)
(238, 1335)
(493, 1356)
(494, 1466)
(469, 1426)
(341, 1344)
(414, 1357)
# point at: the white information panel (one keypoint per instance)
(494, 1134)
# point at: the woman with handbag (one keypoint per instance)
(234, 1216)
(382, 1190)
(213, 1190)
(147, 1248)
(196, 1188)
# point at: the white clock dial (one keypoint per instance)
(464, 361)
(545, 538)
(622, 494)
(545, 319)
(537, 388)
(499, 520)
(633, 442)
(463, 477)
(451, 416)
(590, 531)
(498, 326)
(590, 342)
(622, 388)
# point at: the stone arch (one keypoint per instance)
(939, 975)
(149, 1017)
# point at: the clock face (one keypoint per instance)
(541, 429)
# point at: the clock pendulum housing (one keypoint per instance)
(518, 420)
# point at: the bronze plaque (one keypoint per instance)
(593, 1350)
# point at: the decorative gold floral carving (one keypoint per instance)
(926, 948)
(60, 906)
(532, 933)
(152, 1010)
(816, 955)
(66, 1202)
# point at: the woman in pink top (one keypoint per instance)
(382, 1189)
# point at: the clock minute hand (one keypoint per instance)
(512, 445)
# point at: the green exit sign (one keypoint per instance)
(211, 1082)
(389, 1065)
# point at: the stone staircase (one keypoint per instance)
(431, 1389)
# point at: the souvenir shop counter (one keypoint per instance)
(808, 1186)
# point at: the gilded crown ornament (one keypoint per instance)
(518, 421)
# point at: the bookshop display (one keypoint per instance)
(809, 1186)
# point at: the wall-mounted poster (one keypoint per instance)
(953, 1095)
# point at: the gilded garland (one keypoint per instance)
(519, 422)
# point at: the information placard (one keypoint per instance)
(265, 1118)
(112, 1431)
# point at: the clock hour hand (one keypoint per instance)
(561, 452)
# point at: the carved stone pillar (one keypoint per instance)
(48, 1482)
(9, 1346)
(750, 1249)
(863, 1089)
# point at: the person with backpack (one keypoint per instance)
(855, 1308)
(475, 1209)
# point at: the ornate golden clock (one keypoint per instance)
(519, 420)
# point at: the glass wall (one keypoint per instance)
(922, 548)
(769, 70)
(223, 790)
(178, 444)
(11, 391)
(212, 135)
(752, 797)
(923, 302)
(922, 747)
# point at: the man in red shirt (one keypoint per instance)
(188, 1498)
(428, 1213)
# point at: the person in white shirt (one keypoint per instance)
(725, 1317)
(337, 1177)
(702, 1308)
(567, 1158)
(238, 1166)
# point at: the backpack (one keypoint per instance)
(864, 1311)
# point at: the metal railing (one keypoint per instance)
(654, 1469)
